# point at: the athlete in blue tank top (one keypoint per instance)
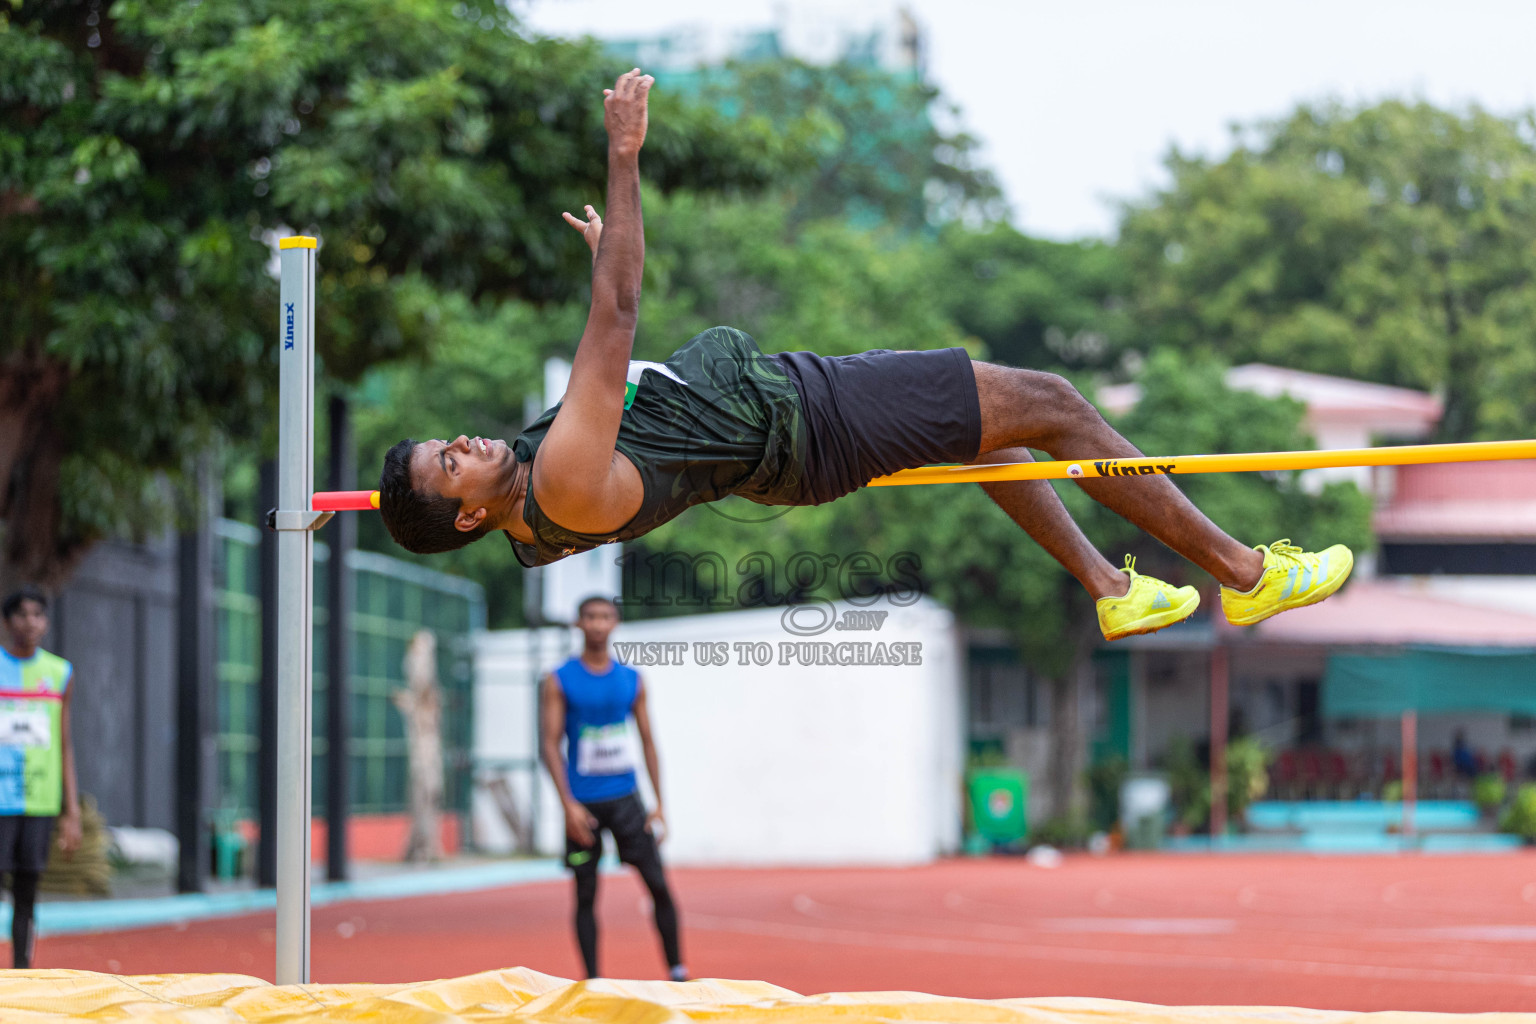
(597, 706)
(589, 700)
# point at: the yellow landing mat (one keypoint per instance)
(527, 997)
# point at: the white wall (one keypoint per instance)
(1507, 593)
(1175, 694)
(775, 764)
(508, 666)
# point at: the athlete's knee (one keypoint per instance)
(661, 893)
(1060, 409)
(1029, 407)
(648, 864)
(1054, 391)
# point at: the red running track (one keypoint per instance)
(1454, 933)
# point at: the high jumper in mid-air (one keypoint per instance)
(634, 444)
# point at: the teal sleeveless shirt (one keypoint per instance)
(722, 419)
(32, 733)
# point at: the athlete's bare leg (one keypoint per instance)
(1029, 409)
(1035, 506)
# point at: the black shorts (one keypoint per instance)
(878, 412)
(625, 819)
(25, 841)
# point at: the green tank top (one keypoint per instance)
(718, 418)
(31, 732)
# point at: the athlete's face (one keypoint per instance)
(475, 470)
(596, 622)
(28, 624)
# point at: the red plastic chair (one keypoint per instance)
(1435, 784)
(1365, 781)
(1283, 774)
(1338, 774)
(1311, 773)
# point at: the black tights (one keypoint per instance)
(23, 899)
(586, 918)
(649, 866)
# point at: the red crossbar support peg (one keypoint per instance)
(345, 501)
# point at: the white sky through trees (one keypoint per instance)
(1077, 102)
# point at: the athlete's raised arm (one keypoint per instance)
(582, 482)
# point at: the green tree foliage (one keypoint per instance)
(825, 285)
(149, 149)
(1189, 776)
(1034, 302)
(878, 155)
(1520, 818)
(1390, 243)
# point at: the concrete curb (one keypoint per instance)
(88, 916)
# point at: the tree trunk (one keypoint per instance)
(421, 705)
(32, 449)
(1069, 748)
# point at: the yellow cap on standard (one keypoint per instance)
(297, 242)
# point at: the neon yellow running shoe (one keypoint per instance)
(1148, 606)
(1292, 578)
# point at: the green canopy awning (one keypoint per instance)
(1430, 680)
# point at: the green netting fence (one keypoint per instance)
(394, 600)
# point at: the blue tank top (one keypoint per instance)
(600, 760)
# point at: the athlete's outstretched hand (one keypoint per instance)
(624, 112)
(591, 229)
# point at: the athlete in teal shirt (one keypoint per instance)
(37, 760)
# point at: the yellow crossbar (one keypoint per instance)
(1086, 469)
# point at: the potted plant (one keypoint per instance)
(1488, 792)
(1520, 819)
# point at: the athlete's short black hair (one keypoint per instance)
(418, 520)
(12, 603)
(596, 599)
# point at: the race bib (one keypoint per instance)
(25, 728)
(604, 750)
